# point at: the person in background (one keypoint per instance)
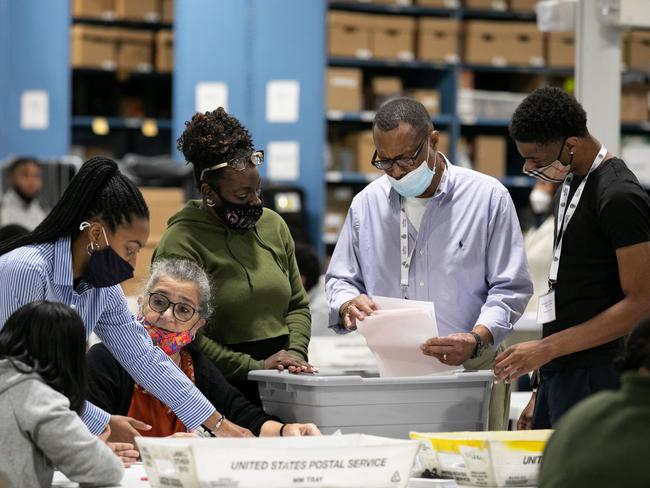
(42, 391)
(538, 240)
(314, 282)
(603, 441)
(261, 311)
(80, 253)
(599, 280)
(428, 230)
(173, 309)
(19, 204)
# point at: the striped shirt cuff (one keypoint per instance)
(195, 410)
(95, 418)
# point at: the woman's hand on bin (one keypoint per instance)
(282, 360)
(356, 309)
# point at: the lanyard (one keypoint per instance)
(569, 210)
(405, 256)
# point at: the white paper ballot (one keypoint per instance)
(395, 332)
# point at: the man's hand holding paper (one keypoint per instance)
(395, 330)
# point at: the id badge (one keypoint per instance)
(546, 308)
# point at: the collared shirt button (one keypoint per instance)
(421, 283)
(421, 252)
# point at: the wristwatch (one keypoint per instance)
(480, 345)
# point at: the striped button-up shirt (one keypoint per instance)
(468, 257)
(44, 272)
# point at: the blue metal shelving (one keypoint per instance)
(86, 121)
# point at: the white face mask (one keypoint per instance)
(540, 201)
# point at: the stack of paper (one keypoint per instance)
(395, 332)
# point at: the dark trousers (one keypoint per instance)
(560, 390)
(258, 350)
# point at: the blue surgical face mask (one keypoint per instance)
(416, 182)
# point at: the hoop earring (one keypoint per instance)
(91, 247)
(209, 202)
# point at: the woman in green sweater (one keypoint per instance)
(261, 311)
(603, 441)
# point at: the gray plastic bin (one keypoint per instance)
(390, 407)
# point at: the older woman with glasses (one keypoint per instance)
(261, 318)
(173, 309)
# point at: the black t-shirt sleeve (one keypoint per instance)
(227, 399)
(625, 214)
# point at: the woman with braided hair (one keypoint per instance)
(603, 441)
(79, 255)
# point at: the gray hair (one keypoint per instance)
(406, 110)
(183, 270)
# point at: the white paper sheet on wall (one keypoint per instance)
(282, 101)
(34, 110)
(210, 95)
(395, 332)
(283, 160)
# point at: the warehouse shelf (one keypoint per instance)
(82, 121)
(642, 128)
(526, 70)
(387, 63)
(367, 116)
(483, 122)
(392, 9)
(517, 181)
(497, 15)
(129, 24)
(121, 75)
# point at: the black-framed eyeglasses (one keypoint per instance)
(387, 164)
(238, 164)
(159, 303)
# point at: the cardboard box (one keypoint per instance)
(489, 155)
(499, 5)
(167, 11)
(383, 88)
(503, 43)
(131, 107)
(338, 202)
(429, 98)
(637, 50)
(443, 143)
(93, 47)
(634, 103)
(165, 51)
(135, 50)
(392, 37)
(560, 49)
(438, 40)
(94, 9)
(162, 203)
(523, 6)
(138, 10)
(363, 148)
(344, 89)
(348, 35)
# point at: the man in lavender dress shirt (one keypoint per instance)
(428, 230)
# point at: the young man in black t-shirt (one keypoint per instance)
(599, 283)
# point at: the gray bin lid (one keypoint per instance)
(318, 380)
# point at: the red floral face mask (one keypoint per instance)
(170, 342)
